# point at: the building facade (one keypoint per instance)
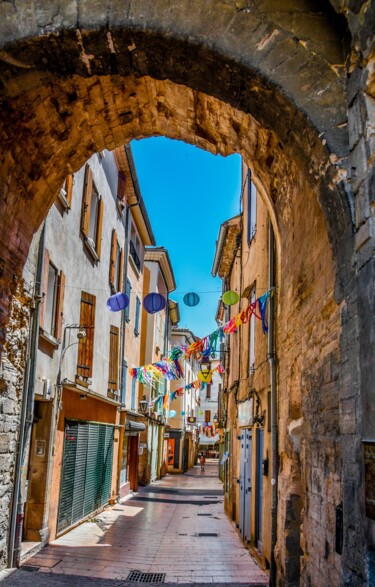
(207, 413)
(75, 461)
(242, 262)
(182, 430)
(156, 343)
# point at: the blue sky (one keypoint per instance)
(188, 193)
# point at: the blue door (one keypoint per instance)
(259, 490)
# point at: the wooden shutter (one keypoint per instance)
(121, 189)
(60, 304)
(121, 272)
(112, 261)
(113, 358)
(86, 344)
(98, 244)
(208, 392)
(86, 202)
(44, 284)
(69, 189)
(207, 416)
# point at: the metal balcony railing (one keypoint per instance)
(134, 256)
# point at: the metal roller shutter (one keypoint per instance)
(86, 471)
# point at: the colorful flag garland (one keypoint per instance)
(170, 368)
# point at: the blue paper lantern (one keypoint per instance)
(154, 302)
(172, 413)
(191, 299)
(117, 302)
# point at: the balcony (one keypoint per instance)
(134, 256)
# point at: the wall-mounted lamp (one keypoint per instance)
(143, 406)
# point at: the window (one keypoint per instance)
(137, 313)
(252, 335)
(123, 381)
(128, 293)
(135, 248)
(92, 215)
(113, 358)
(86, 344)
(121, 191)
(251, 208)
(53, 289)
(207, 416)
(134, 387)
(66, 192)
(208, 392)
(116, 264)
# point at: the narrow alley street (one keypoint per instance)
(176, 527)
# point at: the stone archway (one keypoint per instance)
(78, 78)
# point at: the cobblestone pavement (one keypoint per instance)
(175, 526)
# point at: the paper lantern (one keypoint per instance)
(191, 299)
(182, 413)
(230, 297)
(172, 413)
(117, 302)
(154, 302)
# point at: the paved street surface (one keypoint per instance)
(175, 526)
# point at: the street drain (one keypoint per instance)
(140, 577)
(213, 534)
(204, 514)
(30, 568)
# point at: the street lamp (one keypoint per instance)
(205, 366)
(143, 405)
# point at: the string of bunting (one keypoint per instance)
(170, 368)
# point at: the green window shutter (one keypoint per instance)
(128, 292)
(137, 313)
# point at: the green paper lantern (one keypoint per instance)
(230, 298)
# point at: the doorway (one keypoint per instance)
(245, 484)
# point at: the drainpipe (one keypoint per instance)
(26, 417)
(272, 364)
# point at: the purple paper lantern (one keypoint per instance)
(117, 302)
(154, 302)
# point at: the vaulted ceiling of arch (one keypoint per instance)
(268, 57)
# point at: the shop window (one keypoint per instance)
(86, 344)
(92, 215)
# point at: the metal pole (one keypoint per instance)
(26, 418)
(274, 431)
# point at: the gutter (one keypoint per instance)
(274, 429)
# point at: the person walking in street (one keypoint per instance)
(203, 462)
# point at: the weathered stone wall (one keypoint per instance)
(278, 98)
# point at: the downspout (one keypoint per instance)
(27, 416)
(274, 431)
